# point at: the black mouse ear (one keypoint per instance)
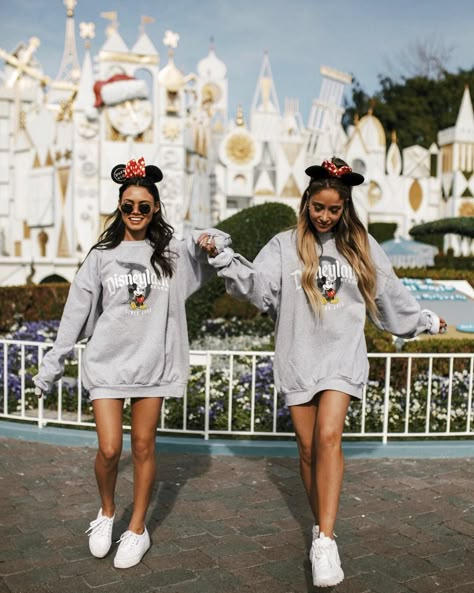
(153, 173)
(118, 173)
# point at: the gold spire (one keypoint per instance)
(239, 118)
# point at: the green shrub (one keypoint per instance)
(459, 225)
(382, 231)
(31, 303)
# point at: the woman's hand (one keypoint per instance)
(206, 243)
(443, 326)
(38, 393)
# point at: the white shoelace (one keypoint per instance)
(100, 526)
(129, 538)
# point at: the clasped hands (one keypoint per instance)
(207, 243)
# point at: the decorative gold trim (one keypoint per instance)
(109, 56)
(415, 195)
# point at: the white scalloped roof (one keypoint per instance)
(211, 66)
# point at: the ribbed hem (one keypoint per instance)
(295, 398)
(125, 391)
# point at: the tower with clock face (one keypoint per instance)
(239, 153)
(212, 90)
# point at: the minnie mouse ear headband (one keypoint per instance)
(331, 169)
(134, 170)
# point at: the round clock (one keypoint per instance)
(131, 118)
(240, 148)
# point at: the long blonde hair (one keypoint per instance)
(352, 242)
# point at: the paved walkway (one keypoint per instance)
(235, 524)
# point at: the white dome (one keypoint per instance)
(170, 77)
(211, 67)
(372, 132)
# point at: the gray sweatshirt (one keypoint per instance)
(136, 323)
(314, 354)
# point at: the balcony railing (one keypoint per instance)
(231, 393)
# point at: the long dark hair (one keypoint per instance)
(158, 232)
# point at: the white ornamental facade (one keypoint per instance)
(60, 138)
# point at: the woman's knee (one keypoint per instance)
(328, 437)
(306, 452)
(110, 453)
(143, 449)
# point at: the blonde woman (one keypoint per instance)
(318, 282)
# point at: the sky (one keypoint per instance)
(359, 38)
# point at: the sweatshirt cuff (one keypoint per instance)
(432, 321)
(222, 259)
(40, 384)
(221, 239)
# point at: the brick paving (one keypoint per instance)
(235, 525)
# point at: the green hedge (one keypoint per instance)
(460, 225)
(382, 231)
(31, 303)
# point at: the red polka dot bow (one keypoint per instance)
(135, 168)
(334, 171)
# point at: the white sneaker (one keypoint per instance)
(132, 548)
(326, 563)
(315, 535)
(100, 535)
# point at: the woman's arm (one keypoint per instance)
(195, 266)
(81, 306)
(258, 282)
(399, 312)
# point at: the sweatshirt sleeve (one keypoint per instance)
(258, 282)
(78, 319)
(197, 269)
(399, 312)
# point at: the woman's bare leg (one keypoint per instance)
(332, 410)
(304, 421)
(108, 420)
(145, 416)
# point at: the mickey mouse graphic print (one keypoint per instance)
(135, 283)
(331, 276)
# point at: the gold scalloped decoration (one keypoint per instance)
(240, 148)
(466, 209)
(415, 195)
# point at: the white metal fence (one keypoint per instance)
(231, 393)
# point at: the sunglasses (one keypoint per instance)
(128, 208)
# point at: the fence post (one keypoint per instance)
(207, 401)
(386, 403)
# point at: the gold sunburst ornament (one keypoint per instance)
(240, 148)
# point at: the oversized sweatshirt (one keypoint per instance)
(136, 322)
(314, 354)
